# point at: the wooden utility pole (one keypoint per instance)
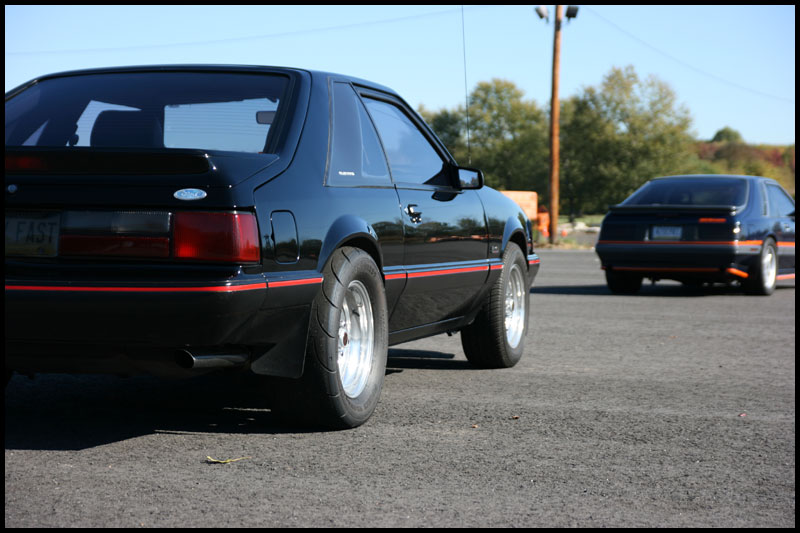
(554, 130)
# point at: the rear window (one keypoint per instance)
(691, 191)
(150, 110)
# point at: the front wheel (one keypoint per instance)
(496, 339)
(346, 350)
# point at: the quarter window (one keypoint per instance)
(356, 154)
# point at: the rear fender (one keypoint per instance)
(352, 231)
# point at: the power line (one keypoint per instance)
(236, 39)
(466, 93)
(684, 63)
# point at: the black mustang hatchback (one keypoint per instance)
(698, 229)
(174, 220)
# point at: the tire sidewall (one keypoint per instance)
(513, 256)
(764, 288)
(357, 265)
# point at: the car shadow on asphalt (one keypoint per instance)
(75, 412)
(400, 359)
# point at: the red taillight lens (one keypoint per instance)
(228, 237)
(24, 163)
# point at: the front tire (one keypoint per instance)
(496, 339)
(346, 350)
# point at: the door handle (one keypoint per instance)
(413, 214)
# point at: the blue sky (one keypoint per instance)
(729, 65)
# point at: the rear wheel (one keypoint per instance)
(496, 339)
(346, 350)
(623, 283)
(762, 276)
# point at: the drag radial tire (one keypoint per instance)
(496, 338)
(762, 275)
(346, 349)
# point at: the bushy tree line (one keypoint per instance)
(614, 137)
(735, 157)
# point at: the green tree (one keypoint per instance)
(727, 134)
(507, 135)
(618, 135)
(448, 126)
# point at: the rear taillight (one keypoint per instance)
(198, 236)
(24, 163)
(216, 237)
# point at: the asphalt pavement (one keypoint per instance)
(671, 408)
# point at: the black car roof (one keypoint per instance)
(204, 68)
(715, 176)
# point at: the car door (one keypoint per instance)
(445, 236)
(781, 211)
(358, 182)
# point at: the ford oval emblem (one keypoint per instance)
(190, 194)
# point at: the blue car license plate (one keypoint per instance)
(665, 233)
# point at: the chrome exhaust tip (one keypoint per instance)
(194, 360)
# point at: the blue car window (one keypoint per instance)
(691, 192)
(780, 204)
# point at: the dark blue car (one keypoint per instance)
(698, 229)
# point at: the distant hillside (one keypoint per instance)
(725, 157)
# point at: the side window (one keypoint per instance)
(780, 204)
(412, 159)
(356, 154)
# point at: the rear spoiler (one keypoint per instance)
(93, 161)
(674, 209)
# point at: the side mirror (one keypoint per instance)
(470, 178)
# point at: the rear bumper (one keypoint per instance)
(138, 328)
(681, 260)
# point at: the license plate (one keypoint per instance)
(666, 233)
(32, 234)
